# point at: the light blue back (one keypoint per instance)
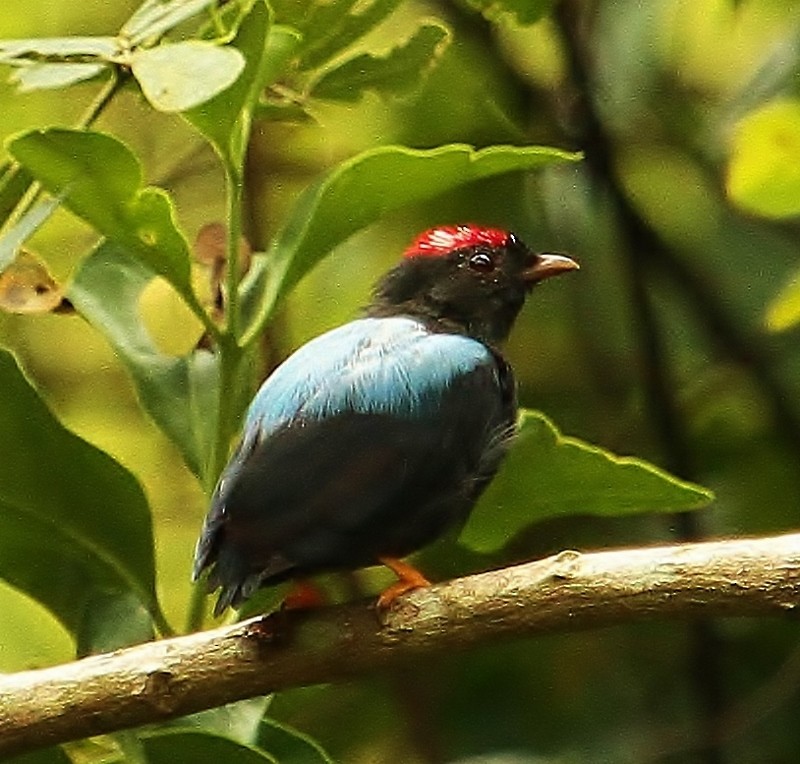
(372, 365)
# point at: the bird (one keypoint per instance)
(377, 437)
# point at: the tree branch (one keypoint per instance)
(567, 592)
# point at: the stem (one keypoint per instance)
(196, 611)
(230, 353)
(216, 19)
(234, 187)
(161, 623)
(102, 99)
(230, 357)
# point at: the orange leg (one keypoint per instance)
(303, 595)
(409, 578)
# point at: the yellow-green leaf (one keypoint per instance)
(784, 310)
(764, 170)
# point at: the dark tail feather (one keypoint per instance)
(207, 548)
(237, 582)
(235, 594)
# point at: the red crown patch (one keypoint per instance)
(442, 240)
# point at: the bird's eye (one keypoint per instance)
(482, 262)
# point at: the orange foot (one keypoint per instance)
(409, 578)
(302, 596)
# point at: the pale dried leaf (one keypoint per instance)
(26, 286)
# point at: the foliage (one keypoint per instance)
(341, 127)
(574, 477)
(64, 520)
(763, 178)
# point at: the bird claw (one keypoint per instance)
(388, 596)
(409, 578)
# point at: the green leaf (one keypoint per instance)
(113, 621)
(328, 28)
(100, 180)
(361, 191)
(548, 474)
(524, 11)
(45, 756)
(74, 524)
(179, 393)
(53, 76)
(401, 72)
(282, 110)
(764, 169)
(169, 746)
(290, 746)
(153, 18)
(225, 119)
(784, 311)
(240, 721)
(14, 183)
(281, 44)
(179, 76)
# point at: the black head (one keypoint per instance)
(466, 278)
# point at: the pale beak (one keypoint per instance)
(547, 265)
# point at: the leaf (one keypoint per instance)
(240, 721)
(548, 474)
(153, 18)
(783, 312)
(169, 746)
(401, 72)
(290, 746)
(361, 191)
(23, 229)
(179, 76)
(328, 28)
(58, 50)
(524, 11)
(45, 756)
(281, 44)
(112, 621)
(14, 183)
(74, 524)
(764, 169)
(209, 246)
(26, 286)
(53, 76)
(179, 393)
(100, 180)
(277, 108)
(224, 120)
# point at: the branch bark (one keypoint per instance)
(567, 592)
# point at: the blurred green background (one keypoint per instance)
(665, 346)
